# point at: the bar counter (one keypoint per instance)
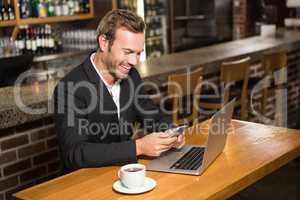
(34, 96)
(215, 54)
(207, 58)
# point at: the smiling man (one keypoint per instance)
(98, 102)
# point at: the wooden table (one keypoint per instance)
(252, 151)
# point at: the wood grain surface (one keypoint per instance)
(252, 151)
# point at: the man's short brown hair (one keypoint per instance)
(115, 19)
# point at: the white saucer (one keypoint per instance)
(149, 185)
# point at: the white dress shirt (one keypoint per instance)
(114, 89)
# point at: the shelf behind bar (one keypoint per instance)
(65, 54)
(190, 17)
(154, 37)
(54, 19)
(8, 23)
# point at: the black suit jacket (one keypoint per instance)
(89, 131)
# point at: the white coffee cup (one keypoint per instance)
(132, 175)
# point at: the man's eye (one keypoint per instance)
(127, 52)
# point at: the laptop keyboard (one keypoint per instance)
(191, 159)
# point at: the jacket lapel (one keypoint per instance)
(106, 102)
(125, 101)
(124, 98)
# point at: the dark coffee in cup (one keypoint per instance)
(133, 169)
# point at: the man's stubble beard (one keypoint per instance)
(111, 68)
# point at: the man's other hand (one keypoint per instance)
(156, 143)
(180, 141)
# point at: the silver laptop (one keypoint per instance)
(194, 159)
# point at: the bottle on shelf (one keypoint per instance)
(43, 40)
(65, 8)
(158, 27)
(86, 6)
(10, 10)
(1, 19)
(149, 47)
(4, 12)
(33, 40)
(50, 8)
(71, 6)
(28, 41)
(42, 8)
(81, 6)
(128, 4)
(51, 43)
(151, 29)
(159, 46)
(1, 3)
(76, 7)
(24, 9)
(38, 40)
(20, 42)
(154, 12)
(46, 37)
(34, 8)
(58, 8)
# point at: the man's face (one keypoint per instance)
(124, 53)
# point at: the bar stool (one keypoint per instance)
(181, 89)
(275, 65)
(231, 72)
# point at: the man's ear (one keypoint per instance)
(103, 43)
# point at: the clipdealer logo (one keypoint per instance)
(66, 95)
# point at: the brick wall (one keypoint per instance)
(28, 156)
(245, 14)
(239, 19)
(294, 88)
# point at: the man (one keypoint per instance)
(97, 103)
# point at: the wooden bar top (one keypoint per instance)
(252, 152)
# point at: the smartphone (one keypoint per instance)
(176, 131)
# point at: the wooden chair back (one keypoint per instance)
(184, 85)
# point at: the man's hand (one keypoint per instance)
(154, 144)
(180, 141)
